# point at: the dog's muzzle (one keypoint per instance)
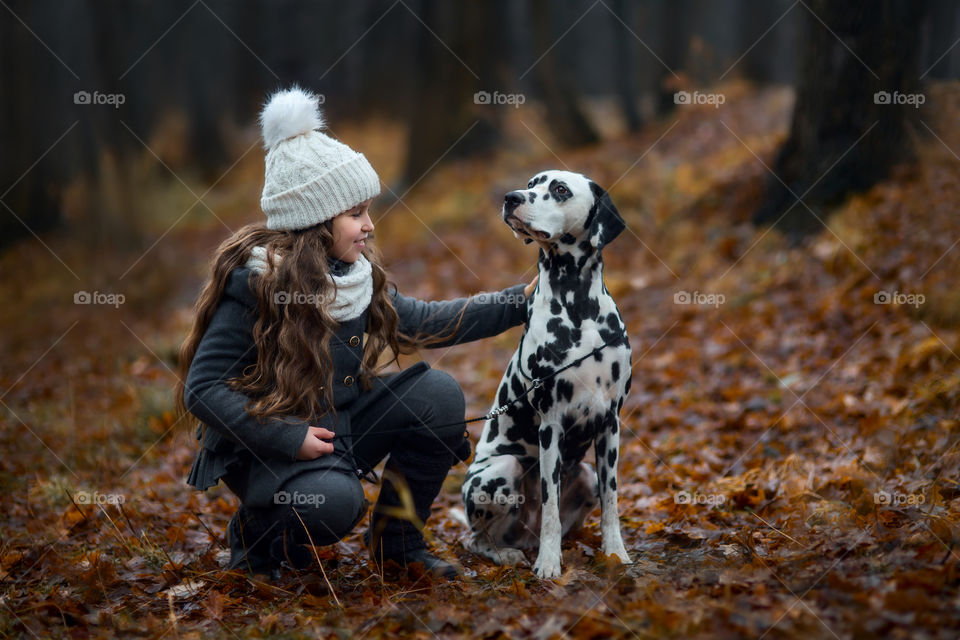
(510, 203)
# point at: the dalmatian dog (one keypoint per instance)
(528, 485)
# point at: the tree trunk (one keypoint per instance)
(842, 139)
(625, 60)
(445, 122)
(556, 81)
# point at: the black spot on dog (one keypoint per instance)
(546, 196)
(494, 429)
(555, 307)
(556, 475)
(516, 386)
(531, 197)
(615, 371)
(543, 489)
(613, 484)
(564, 390)
(476, 481)
(559, 191)
(546, 436)
(514, 448)
(491, 486)
(566, 238)
(612, 457)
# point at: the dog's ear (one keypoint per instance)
(604, 222)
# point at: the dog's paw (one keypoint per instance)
(617, 549)
(510, 557)
(505, 556)
(547, 569)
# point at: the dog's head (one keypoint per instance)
(561, 207)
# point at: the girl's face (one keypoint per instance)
(350, 231)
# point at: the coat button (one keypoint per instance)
(348, 381)
(354, 341)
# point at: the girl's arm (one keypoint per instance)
(226, 348)
(486, 315)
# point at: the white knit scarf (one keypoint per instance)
(354, 289)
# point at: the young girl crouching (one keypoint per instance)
(278, 372)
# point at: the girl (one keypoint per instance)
(277, 370)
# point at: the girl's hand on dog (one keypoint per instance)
(316, 444)
(528, 290)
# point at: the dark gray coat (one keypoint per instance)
(235, 439)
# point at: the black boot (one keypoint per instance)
(286, 553)
(397, 538)
(249, 542)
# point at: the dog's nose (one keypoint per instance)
(513, 200)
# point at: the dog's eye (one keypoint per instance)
(562, 190)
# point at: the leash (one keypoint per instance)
(535, 383)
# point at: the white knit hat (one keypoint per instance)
(310, 177)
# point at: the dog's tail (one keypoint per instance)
(457, 514)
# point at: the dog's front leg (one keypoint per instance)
(607, 448)
(548, 559)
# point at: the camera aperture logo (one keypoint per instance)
(298, 498)
(98, 98)
(699, 298)
(895, 97)
(298, 297)
(95, 497)
(697, 498)
(98, 297)
(887, 499)
(500, 498)
(498, 297)
(685, 97)
(497, 98)
(899, 298)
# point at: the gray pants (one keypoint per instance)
(389, 420)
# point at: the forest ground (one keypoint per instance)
(789, 461)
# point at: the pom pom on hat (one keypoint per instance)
(290, 113)
(309, 177)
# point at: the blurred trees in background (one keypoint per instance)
(191, 74)
(856, 59)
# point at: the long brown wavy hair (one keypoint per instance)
(293, 374)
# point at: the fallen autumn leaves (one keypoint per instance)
(789, 463)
